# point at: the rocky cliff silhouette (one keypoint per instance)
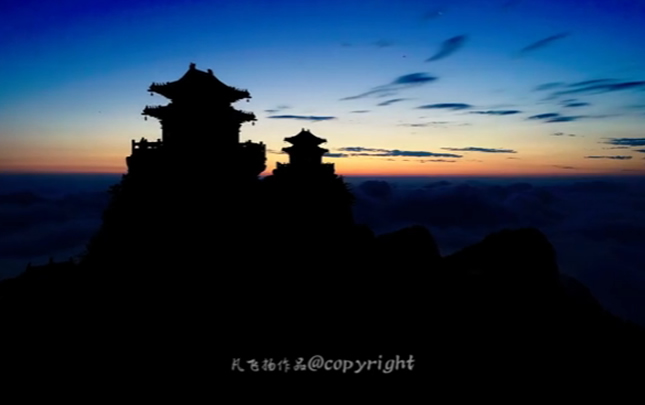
(199, 262)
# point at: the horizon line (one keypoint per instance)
(500, 175)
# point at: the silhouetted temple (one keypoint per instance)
(310, 201)
(200, 128)
(197, 174)
(305, 156)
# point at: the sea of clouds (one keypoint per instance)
(597, 226)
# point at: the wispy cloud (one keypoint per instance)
(555, 117)
(448, 47)
(497, 112)
(476, 149)
(303, 117)
(363, 151)
(543, 43)
(543, 116)
(565, 167)
(562, 134)
(391, 101)
(601, 88)
(566, 118)
(400, 83)
(593, 82)
(359, 111)
(548, 86)
(609, 157)
(335, 155)
(447, 106)
(277, 109)
(574, 103)
(626, 141)
(436, 160)
(432, 124)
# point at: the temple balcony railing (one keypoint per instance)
(145, 145)
(248, 115)
(154, 107)
(248, 145)
(323, 168)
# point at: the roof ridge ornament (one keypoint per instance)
(192, 66)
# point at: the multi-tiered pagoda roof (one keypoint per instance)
(305, 140)
(199, 84)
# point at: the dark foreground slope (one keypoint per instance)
(173, 304)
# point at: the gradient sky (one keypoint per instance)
(74, 75)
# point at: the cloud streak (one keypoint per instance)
(391, 101)
(543, 43)
(448, 47)
(447, 106)
(626, 141)
(363, 151)
(400, 83)
(601, 88)
(609, 157)
(497, 112)
(303, 117)
(477, 149)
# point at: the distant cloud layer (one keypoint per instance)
(362, 151)
(609, 157)
(601, 244)
(447, 106)
(303, 117)
(475, 149)
(601, 86)
(497, 112)
(627, 141)
(555, 117)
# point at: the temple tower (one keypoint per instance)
(199, 127)
(305, 156)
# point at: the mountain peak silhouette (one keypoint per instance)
(198, 260)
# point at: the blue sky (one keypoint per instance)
(75, 73)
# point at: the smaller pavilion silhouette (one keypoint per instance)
(305, 157)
